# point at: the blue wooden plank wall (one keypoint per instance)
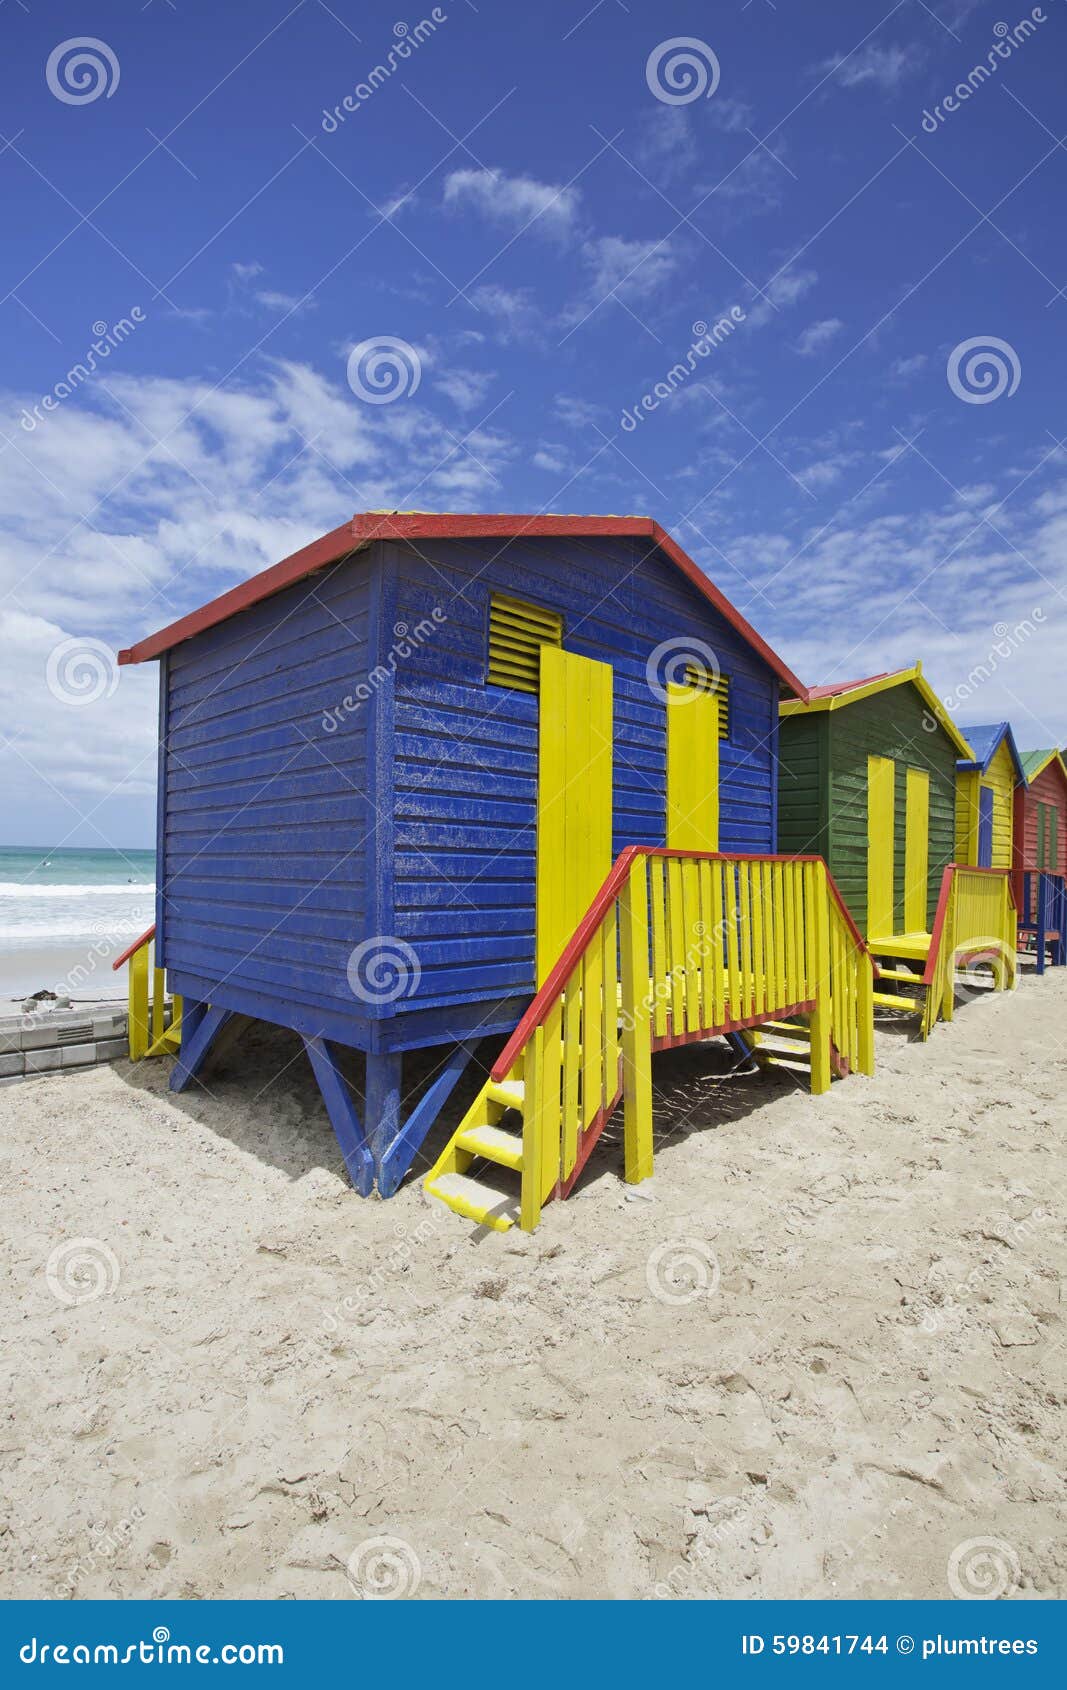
(465, 754)
(267, 813)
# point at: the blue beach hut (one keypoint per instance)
(395, 769)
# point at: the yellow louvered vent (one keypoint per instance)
(697, 676)
(517, 631)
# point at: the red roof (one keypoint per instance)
(847, 686)
(418, 525)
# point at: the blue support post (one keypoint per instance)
(381, 1102)
(1042, 919)
(341, 1108)
(192, 1015)
(398, 1155)
(746, 1062)
(207, 1023)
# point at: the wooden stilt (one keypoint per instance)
(398, 1155)
(341, 1108)
(195, 1047)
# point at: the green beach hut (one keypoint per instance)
(867, 778)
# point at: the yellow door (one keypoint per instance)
(916, 850)
(574, 809)
(881, 780)
(692, 769)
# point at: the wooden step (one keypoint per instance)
(803, 1069)
(494, 1144)
(794, 1027)
(777, 1045)
(886, 1000)
(510, 1093)
(905, 974)
(475, 1202)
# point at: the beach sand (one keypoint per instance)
(75, 970)
(858, 1379)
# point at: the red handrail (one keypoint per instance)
(149, 933)
(594, 915)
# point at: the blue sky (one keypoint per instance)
(516, 201)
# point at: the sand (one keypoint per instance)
(820, 1354)
(76, 971)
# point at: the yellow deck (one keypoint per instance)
(913, 945)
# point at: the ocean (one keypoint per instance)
(65, 915)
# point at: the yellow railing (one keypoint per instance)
(976, 923)
(148, 1031)
(678, 947)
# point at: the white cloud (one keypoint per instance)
(631, 269)
(551, 458)
(288, 302)
(576, 412)
(902, 369)
(779, 294)
(666, 146)
(513, 310)
(465, 388)
(519, 200)
(883, 67)
(941, 583)
(75, 748)
(106, 535)
(242, 294)
(818, 335)
(391, 208)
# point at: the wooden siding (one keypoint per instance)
(1049, 788)
(1000, 775)
(802, 777)
(967, 817)
(891, 724)
(265, 813)
(465, 754)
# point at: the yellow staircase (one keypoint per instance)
(976, 923)
(677, 947)
(782, 1044)
(481, 1138)
(909, 979)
